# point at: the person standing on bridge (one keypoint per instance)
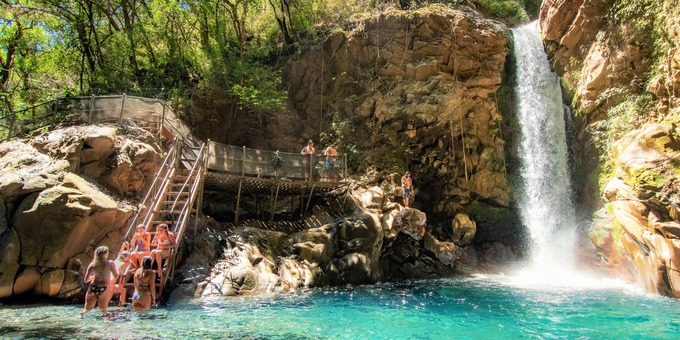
(308, 159)
(331, 154)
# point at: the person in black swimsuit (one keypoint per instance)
(99, 274)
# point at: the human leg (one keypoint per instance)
(90, 300)
(103, 300)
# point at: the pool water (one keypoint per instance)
(489, 307)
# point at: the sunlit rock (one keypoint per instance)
(464, 229)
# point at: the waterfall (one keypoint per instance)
(544, 196)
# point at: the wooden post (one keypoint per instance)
(201, 186)
(276, 197)
(311, 167)
(309, 200)
(89, 119)
(243, 162)
(238, 203)
(160, 126)
(122, 107)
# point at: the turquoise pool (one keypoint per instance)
(484, 307)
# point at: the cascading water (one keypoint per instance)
(545, 202)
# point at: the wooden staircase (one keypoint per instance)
(173, 197)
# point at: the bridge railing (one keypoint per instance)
(273, 164)
(151, 114)
(155, 115)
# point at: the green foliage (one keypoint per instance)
(640, 13)
(622, 118)
(512, 12)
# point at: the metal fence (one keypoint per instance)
(151, 114)
(274, 164)
(155, 115)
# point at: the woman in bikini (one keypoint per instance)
(165, 241)
(99, 274)
(141, 245)
(145, 286)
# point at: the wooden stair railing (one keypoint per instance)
(188, 184)
(171, 198)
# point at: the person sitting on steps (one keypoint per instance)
(125, 268)
(141, 245)
(164, 241)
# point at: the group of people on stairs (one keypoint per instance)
(106, 277)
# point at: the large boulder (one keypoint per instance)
(60, 222)
(54, 210)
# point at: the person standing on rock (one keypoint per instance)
(309, 151)
(406, 186)
(99, 274)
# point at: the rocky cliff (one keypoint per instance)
(620, 64)
(62, 195)
(415, 90)
(366, 239)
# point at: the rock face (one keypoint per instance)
(414, 90)
(376, 240)
(638, 231)
(54, 212)
(618, 60)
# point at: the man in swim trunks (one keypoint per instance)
(99, 274)
(406, 184)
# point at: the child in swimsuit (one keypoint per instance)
(99, 274)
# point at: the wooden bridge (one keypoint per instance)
(190, 165)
